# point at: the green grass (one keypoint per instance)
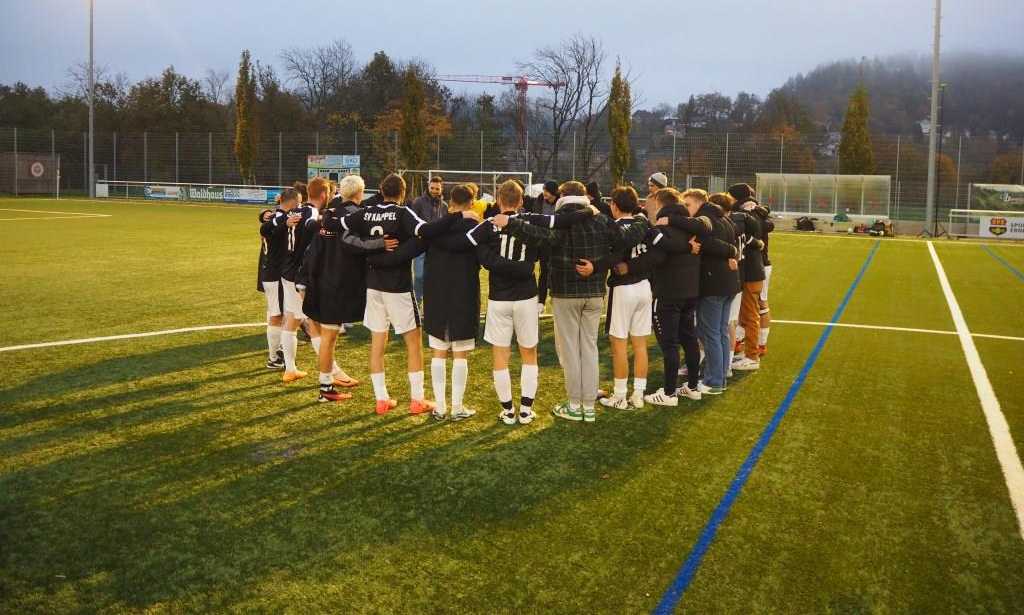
(175, 474)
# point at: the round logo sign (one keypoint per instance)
(37, 169)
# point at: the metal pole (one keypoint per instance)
(53, 152)
(145, 157)
(176, 158)
(355, 131)
(527, 150)
(1022, 162)
(209, 155)
(574, 154)
(726, 162)
(673, 158)
(898, 177)
(15, 161)
(959, 150)
(318, 143)
(438, 137)
(114, 135)
(85, 161)
(929, 212)
(782, 145)
(92, 90)
(280, 174)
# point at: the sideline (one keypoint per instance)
(670, 599)
(998, 428)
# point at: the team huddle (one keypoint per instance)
(690, 267)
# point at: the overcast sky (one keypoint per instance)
(675, 48)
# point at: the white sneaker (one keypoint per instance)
(687, 392)
(659, 398)
(746, 365)
(619, 403)
(706, 390)
(462, 414)
(508, 416)
(637, 400)
(438, 416)
(526, 415)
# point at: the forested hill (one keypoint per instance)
(984, 92)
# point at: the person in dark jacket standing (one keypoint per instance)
(719, 283)
(744, 312)
(429, 206)
(544, 204)
(578, 293)
(746, 201)
(673, 261)
(334, 274)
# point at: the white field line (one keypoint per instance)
(56, 218)
(127, 336)
(958, 242)
(50, 211)
(1006, 451)
(886, 328)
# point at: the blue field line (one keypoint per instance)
(1006, 264)
(684, 577)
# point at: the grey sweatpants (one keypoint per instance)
(576, 327)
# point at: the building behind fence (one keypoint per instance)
(696, 160)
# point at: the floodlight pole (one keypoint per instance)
(929, 212)
(92, 91)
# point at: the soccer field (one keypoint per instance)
(855, 472)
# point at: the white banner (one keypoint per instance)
(1001, 227)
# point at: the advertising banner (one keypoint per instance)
(159, 192)
(1001, 227)
(202, 193)
(251, 195)
(996, 196)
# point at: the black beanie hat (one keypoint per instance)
(551, 186)
(594, 191)
(741, 192)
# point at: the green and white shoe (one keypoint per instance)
(565, 411)
(589, 415)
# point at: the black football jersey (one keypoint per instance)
(385, 220)
(509, 261)
(275, 238)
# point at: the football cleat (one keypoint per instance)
(275, 363)
(330, 394)
(419, 406)
(386, 405)
(507, 416)
(462, 414)
(341, 379)
(293, 376)
(526, 415)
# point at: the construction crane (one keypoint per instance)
(521, 83)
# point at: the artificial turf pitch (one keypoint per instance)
(175, 473)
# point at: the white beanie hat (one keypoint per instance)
(659, 179)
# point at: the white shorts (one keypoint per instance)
(445, 344)
(272, 290)
(630, 310)
(507, 317)
(383, 309)
(734, 309)
(292, 299)
(764, 288)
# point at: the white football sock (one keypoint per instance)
(460, 376)
(764, 337)
(732, 353)
(290, 344)
(416, 386)
(640, 385)
(273, 340)
(326, 378)
(621, 387)
(528, 381)
(380, 387)
(503, 385)
(438, 379)
(315, 343)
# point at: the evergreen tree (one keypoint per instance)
(246, 130)
(855, 154)
(620, 109)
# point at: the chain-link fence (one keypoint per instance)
(696, 159)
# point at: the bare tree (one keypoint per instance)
(215, 83)
(577, 106)
(320, 72)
